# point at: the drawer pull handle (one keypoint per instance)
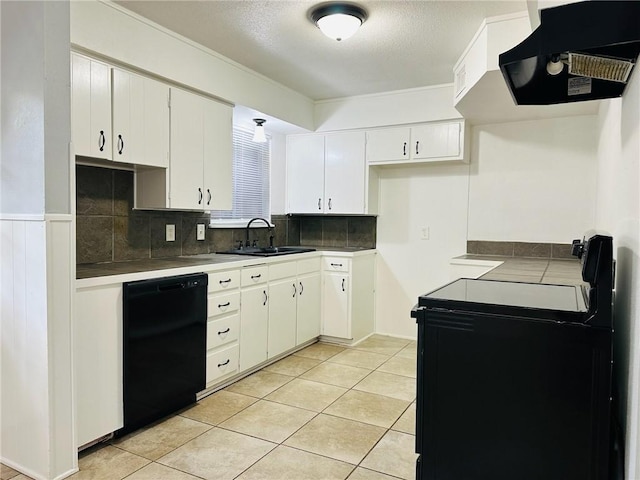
(101, 141)
(220, 305)
(253, 277)
(404, 149)
(224, 363)
(228, 280)
(224, 331)
(294, 291)
(343, 284)
(301, 288)
(336, 264)
(266, 297)
(417, 148)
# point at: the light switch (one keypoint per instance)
(170, 233)
(424, 233)
(200, 231)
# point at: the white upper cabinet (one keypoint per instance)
(326, 173)
(429, 142)
(186, 169)
(389, 144)
(200, 166)
(91, 107)
(344, 173)
(218, 156)
(305, 173)
(140, 120)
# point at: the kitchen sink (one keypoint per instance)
(267, 251)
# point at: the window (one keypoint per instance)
(251, 196)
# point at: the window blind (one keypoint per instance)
(251, 179)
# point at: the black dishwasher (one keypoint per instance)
(164, 346)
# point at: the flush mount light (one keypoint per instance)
(338, 20)
(258, 133)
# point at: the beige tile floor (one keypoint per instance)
(325, 412)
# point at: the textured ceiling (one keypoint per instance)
(403, 44)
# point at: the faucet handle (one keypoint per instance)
(240, 246)
(255, 243)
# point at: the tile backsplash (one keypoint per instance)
(519, 249)
(109, 230)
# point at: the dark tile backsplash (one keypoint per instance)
(347, 231)
(519, 249)
(109, 230)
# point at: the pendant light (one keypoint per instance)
(258, 133)
(338, 21)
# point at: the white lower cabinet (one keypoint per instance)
(254, 316)
(308, 307)
(348, 290)
(223, 330)
(97, 356)
(282, 316)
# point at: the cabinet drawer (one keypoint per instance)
(337, 264)
(309, 265)
(221, 304)
(222, 331)
(227, 280)
(222, 363)
(282, 270)
(254, 276)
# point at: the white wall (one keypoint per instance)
(36, 252)
(414, 105)
(433, 196)
(533, 181)
(618, 213)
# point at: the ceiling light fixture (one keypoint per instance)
(338, 20)
(258, 133)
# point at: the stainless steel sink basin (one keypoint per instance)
(267, 251)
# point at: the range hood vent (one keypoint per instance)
(581, 51)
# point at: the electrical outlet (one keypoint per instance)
(170, 233)
(200, 231)
(424, 233)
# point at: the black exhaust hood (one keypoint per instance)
(581, 51)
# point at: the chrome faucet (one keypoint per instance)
(249, 225)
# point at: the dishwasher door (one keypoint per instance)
(164, 346)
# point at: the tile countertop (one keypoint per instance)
(526, 269)
(89, 275)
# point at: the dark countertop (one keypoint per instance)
(532, 270)
(147, 265)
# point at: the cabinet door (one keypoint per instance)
(254, 318)
(344, 170)
(436, 141)
(335, 313)
(282, 316)
(97, 346)
(140, 120)
(218, 156)
(91, 107)
(388, 144)
(186, 168)
(309, 304)
(305, 173)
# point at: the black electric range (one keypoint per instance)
(514, 379)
